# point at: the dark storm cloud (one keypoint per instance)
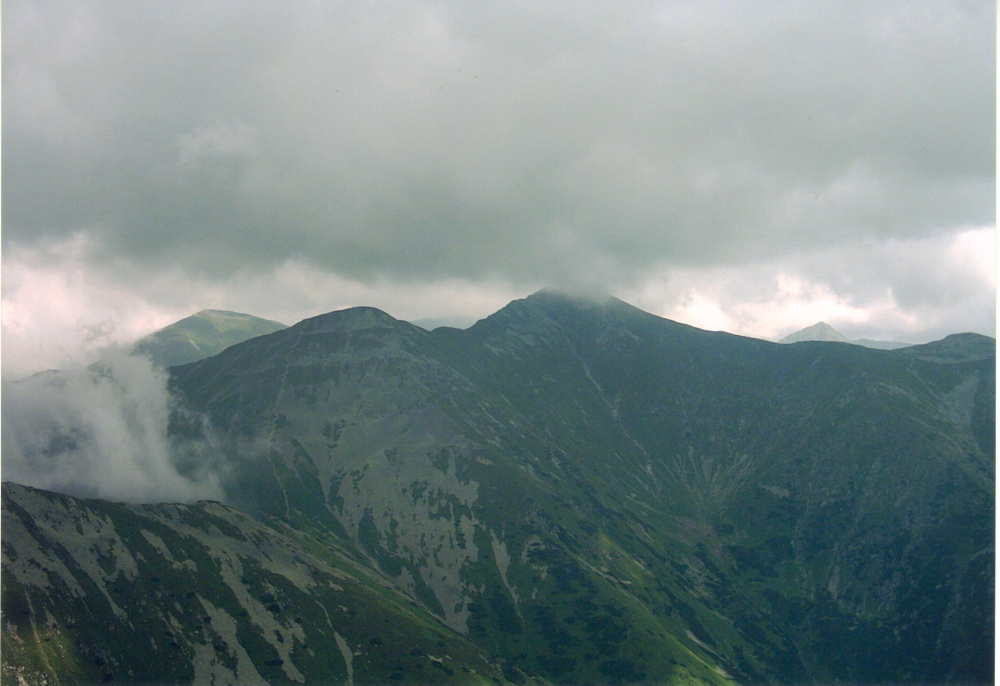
(573, 143)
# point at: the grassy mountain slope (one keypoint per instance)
(592, 494)
(101, 592)
(599, 494)
(201, 335)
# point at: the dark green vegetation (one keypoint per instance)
(583, 492)
(202, 335)
(102, 592)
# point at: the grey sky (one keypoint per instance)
(438, 157)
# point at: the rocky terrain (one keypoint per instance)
(571, 490)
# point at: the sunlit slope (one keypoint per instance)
(598, 494)
(202, 335)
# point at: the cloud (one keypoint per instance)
(446, 140)
(60, 312)
(63, 309)
(100, 433)
(913, 290)
(218, 141)
(444, 148)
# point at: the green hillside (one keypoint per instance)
(588, 493)
(201, 335)
(101, 592)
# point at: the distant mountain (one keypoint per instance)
(432, 323)
(579, 490)
(880, 345)
(202, 335)
(821, 331)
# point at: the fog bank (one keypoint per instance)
(100, 432)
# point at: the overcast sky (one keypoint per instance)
(747, 166)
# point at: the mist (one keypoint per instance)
(101, 432)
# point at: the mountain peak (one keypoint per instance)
(562, 295)
(550, 307)
(552, 300)
(221, 314)
(820, 331)
(202, 335)
(538, 488)
(957, 347)
(350, 319)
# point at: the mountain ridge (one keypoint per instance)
(599, 495)
(201, 335)
(515, 342)
(821, 331)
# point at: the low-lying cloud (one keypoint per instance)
(101, 432)
(915, 291)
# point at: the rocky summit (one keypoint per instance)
(569, 491)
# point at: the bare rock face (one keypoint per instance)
(582, 491)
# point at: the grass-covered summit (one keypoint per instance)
(202, 335)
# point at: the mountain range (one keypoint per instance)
(821, 331)
(571, 490)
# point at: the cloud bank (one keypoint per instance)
(911, 290)
(100, 433)
(444, 148)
